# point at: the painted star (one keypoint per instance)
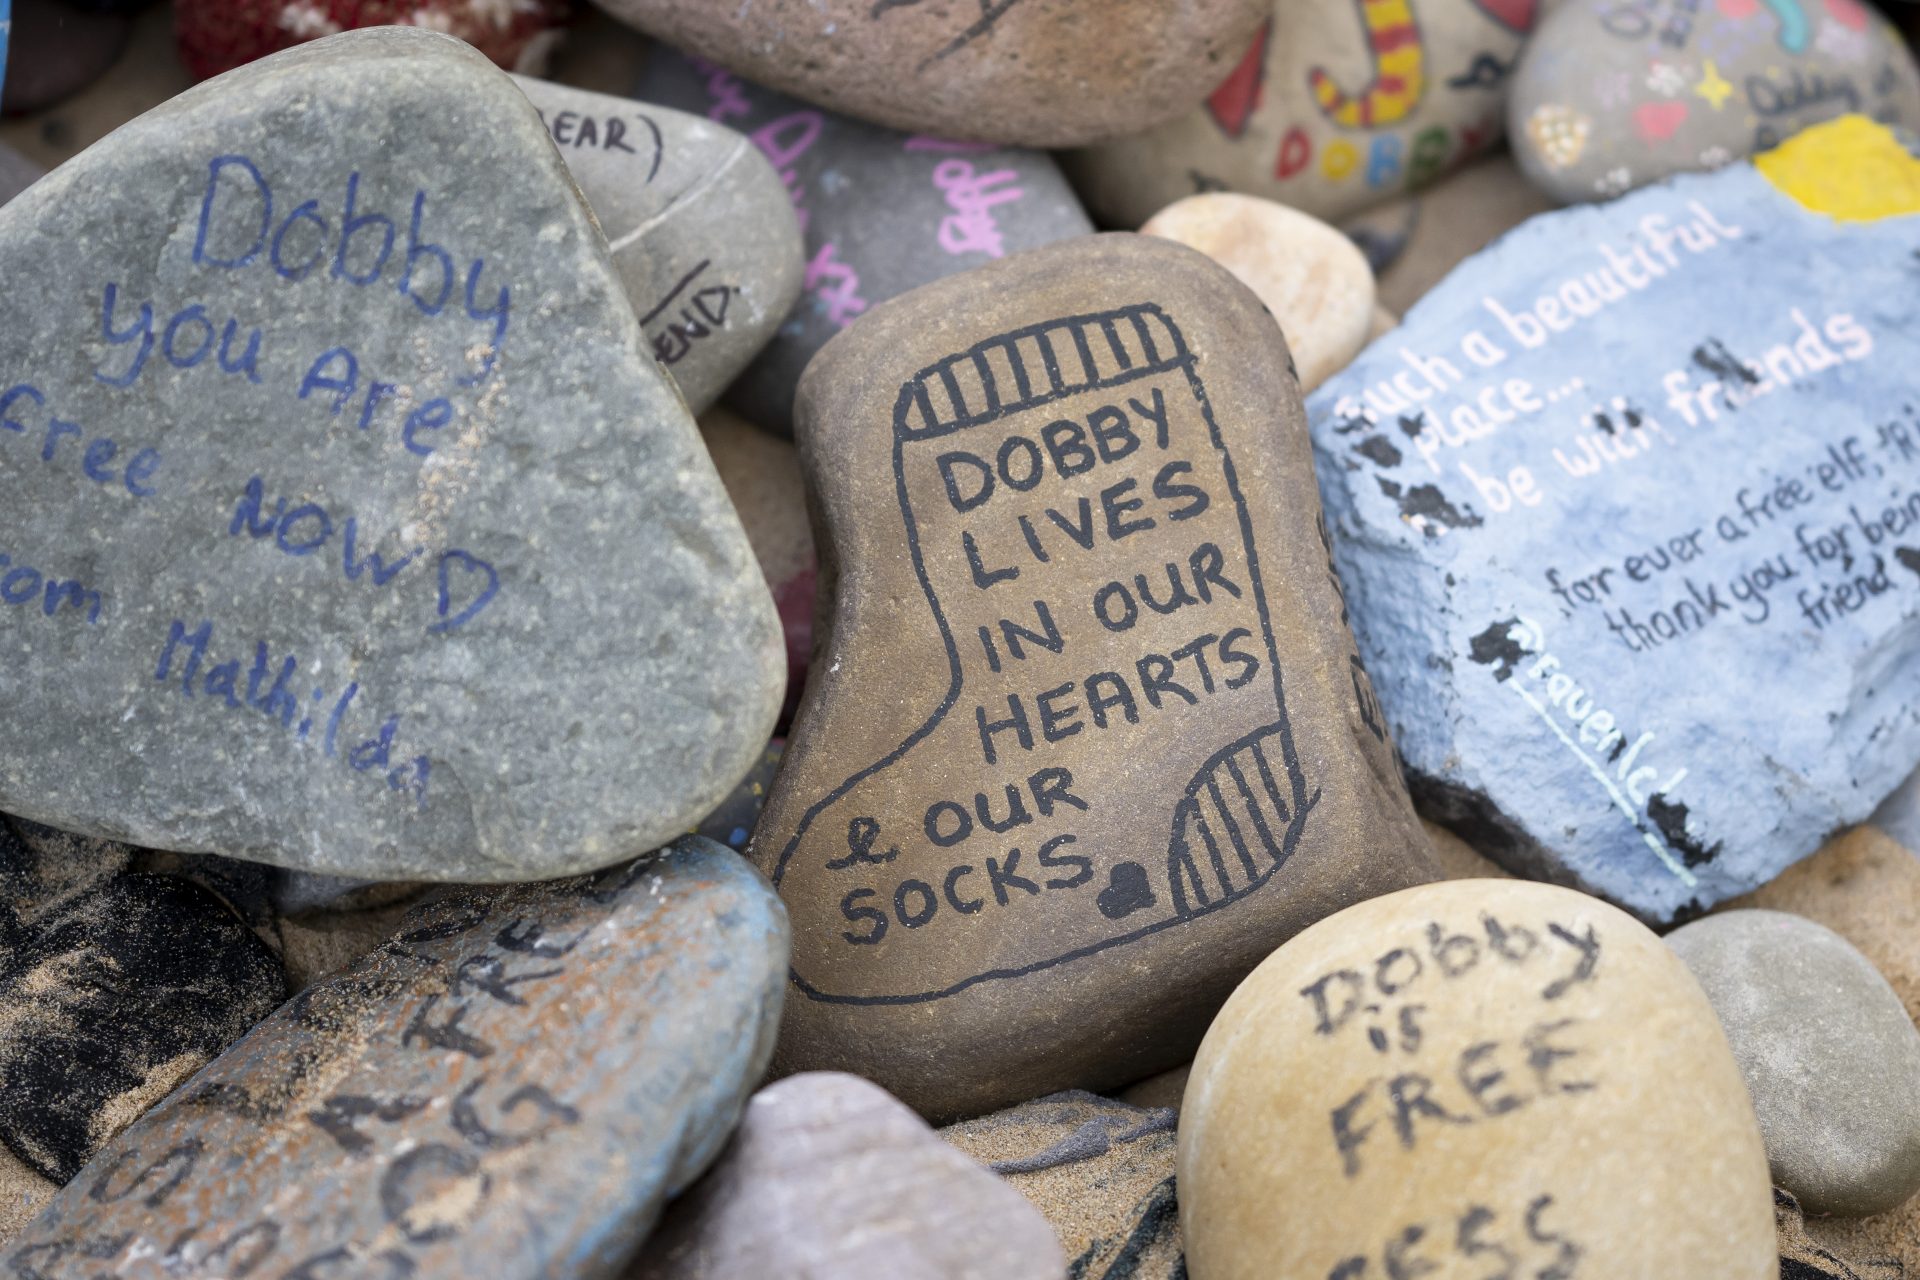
(1713, 86)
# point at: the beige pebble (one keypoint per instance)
(1313, 279)
(1460, 1069)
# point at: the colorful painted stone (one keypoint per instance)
(700, 226)
(322, 431)
(1052, 739)
(1312, 278)
(219, 35)
(1051, 74)
(1830, 1057)
(511, 1087)
(1100, 1170)
(1472, 1075)
(882, 212)
(1609, 97)
(828, 1176)
(1425, 236)
(1582, 519)
(1339, 104)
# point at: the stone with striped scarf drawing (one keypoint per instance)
(1336, 106)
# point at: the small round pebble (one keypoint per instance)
(1830, 1057)
(1314, 279)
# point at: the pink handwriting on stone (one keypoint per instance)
(783, 142)
(836, 285)
(971, 227)
(729, 95)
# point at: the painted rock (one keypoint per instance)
(1043, 73)
(17, 173)
(59, 50)
(1865, 887)
(1052, 740)
(1611, 96)
(1829, 1055)
(1100, 1170)
(1899, 814)
(1339, 104)
(1312, 278)
(762, 474)
(1560, 500)
(325, 445)
(827, 1175)
(1802, 1257)
(511, 1087)
(1469, 1074)
(115, 986)
(882, 212)
(218, 35)
(1431, 233)
(700, 226)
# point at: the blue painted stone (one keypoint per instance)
(511, 1087)
(1632, 630)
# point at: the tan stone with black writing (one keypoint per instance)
(1085, 735)
(1471, 1079)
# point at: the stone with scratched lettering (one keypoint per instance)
(349, 524)
(1830, 1056)
(1099, 1169)
(829, 1176)
(510, 1087)
(1469, 1076)
(1313, 279)
(1595, 534)
(882, 212)
(1037, 73)
(1084, 706)
(700, 226)
(1609, 97)
(1338, 105)
(115, 985)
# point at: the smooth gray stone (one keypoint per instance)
(702, 232)
(510, 1088)
(1607, 97)
(882, 212)
(830, 1175)
(474, 607)
(1829, 1055)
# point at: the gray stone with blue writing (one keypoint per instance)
(882, 212)
(349, 523)
(700, 226)
(1628, 511)
(511, 1087)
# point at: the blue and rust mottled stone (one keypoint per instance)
(510, 1087)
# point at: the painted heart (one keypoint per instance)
(1739, 9)
(1516, 15)
(1127, 891)
(1238, 97)
(1849, 13)
(1658, 121)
